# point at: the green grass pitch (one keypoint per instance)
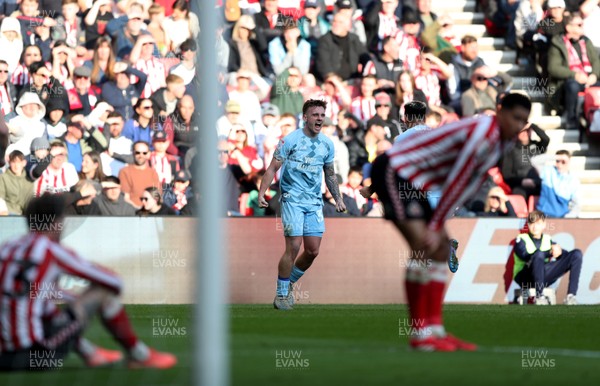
(362, 345)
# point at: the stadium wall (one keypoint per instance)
(362, 261)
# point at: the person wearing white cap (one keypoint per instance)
(28, 123)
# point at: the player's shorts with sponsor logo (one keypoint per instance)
(400, 198)
(61, 331)
(302, 219)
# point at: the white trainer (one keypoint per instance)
(571, 300)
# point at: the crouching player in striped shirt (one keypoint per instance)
(453, 159)
(31, 324)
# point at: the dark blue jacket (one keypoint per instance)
(121, 99)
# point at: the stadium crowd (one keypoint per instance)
(99, 97)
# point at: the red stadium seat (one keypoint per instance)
(519, 204)
(533, 200)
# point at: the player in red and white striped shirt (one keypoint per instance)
(32, 326)
(453, 159)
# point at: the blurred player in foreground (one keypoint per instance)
(304, 155)
(452, 159)
(33, 328)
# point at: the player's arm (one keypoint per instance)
(332, 184)
(267, 180)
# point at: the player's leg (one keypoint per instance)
(292, 218)
(100, 301)
(568, 261)
(314, 227)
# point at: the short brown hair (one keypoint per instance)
(468, 39)
(172, 78)
(313, 103)
(563, 152)
(535, 216)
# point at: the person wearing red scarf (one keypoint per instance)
(573, 66)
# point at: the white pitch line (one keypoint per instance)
(551, 351)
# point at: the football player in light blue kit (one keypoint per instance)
(303, 156)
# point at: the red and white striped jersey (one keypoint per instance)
(363, 108)
(453, 159)
(7, 104)
(410, 50)
(388, 26)
(156, 75)
(20, 77)
(334, 105)
(163, 168)
(354, 194)
(29, 270)
(53, 182)
(430, 85)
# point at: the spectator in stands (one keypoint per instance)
(352, 188)
(56, 111)
(383, 106)
(186, 69)
(573, 66)
(232, 117)
(59, 176)
(156, 27)
(497, 204)
(290, 50)
(335, 94)
(560, 195)
(553, 24)
(143, 125)
(83, 97)
(427, 79)
(406, 91)
(181, 25)
(426, 17)
(480, 96)
(516, 167)
(28, 123)
(119, 151)
(248, 48)
(15, 190)
(590, 12)
(339, 51)
(312, 25)
(152, 204)
(164, 100)
(137, 177)
(125, 30)
(44, 84)
(96, 18)
(69, 26)
(11, 42)
(341, 162)
(38, 159)
(120, 93)
(269, 20)
(180, 128)
(142, 58)
(91, 170)
(380, 22)
(499, 18)
(29, 16)
(386, 65)
(346, 9)
(363, 106)
(248, 98)
(8, 92)
(165, 165)
(433, 119)
(178, 195)
(240, 153)
(527, 18)
(43, 39)
(363, 148)
(83, 203)
(20, 76)
(112, 202)
(408, 38)
(286, 92)
(329, 207)
(103, 62)
(80, 141)
(539, 261)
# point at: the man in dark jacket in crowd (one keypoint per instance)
(112, 202)
(339, 51)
